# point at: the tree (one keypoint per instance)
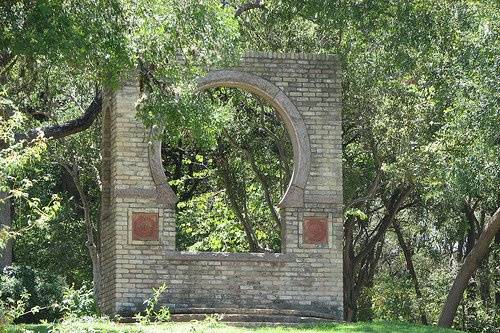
(401, 111)
(411, 269)
(471, 263)
(245, 173)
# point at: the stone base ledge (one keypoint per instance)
(258, 311)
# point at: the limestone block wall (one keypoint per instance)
(138, 216)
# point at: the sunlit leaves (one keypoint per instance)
(176, 42)
(83, 35)
(206, 223)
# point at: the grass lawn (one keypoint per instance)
(210, 327)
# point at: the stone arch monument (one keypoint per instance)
(138, 207)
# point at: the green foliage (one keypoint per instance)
(393, 299)
(32, 289)
(62, 235)
(206, 223)
(48, 220)
(420, 109)
(474, 316)
(239, 180)
(78, 303)
(152, 313)
(11, 309)
(13, 157)
(392, 296)
(80, 36)
(176, 43)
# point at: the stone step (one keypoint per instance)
(247, 311)
(262, 324)
(249, 318)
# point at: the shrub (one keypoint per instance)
(78, 303)
(11, 309)
(153, 313)
(45, 291)
(393, 299)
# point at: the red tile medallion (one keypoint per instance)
(145, 226)
(315, 231)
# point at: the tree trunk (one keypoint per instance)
(359, 267)
(411, 269)
(265, 187)
(89, 227)
(5, 222)
(349, 302)
(497, 269)
(237, 206)
(472, 234)
(471, 262)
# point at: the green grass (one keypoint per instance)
(213, 327)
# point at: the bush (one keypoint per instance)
(11, 309)
(44, 289)
(393, 299)
(153, 313)
(474, 315)
(78, 303)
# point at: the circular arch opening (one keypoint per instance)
(295, 126)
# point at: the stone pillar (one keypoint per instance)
(136, 219)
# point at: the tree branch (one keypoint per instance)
(393, 208)
(407, 252)
(237, 206)
(249, 6)
(73, 171)
(260, 176)
(372, 189)
(73, 126)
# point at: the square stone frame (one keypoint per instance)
(160, 226)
